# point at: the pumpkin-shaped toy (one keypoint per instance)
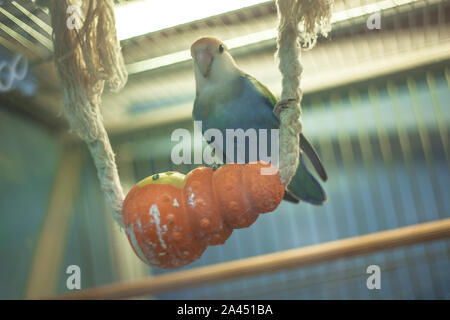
(171, 218)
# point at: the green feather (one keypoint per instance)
(263, 90)
(305, 187)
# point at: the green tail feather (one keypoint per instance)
(305, 187)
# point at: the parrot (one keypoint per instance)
(228, 98)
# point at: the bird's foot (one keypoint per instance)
(282, 105)
(215, 166)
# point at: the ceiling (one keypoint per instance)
(161, 84)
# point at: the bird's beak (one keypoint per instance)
(204, 58)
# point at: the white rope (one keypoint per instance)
(299, 22)
(85, 59)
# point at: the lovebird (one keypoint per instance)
(229, 98)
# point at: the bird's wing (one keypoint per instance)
(304, 143)
(314, 157)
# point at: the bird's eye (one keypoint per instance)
(221, 48)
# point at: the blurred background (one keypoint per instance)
(376, 106)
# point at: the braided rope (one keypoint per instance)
(85, 60)
(299, 22)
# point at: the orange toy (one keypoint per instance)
(171, 218)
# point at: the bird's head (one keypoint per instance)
(212, 61)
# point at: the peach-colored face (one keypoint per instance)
(203, 51)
